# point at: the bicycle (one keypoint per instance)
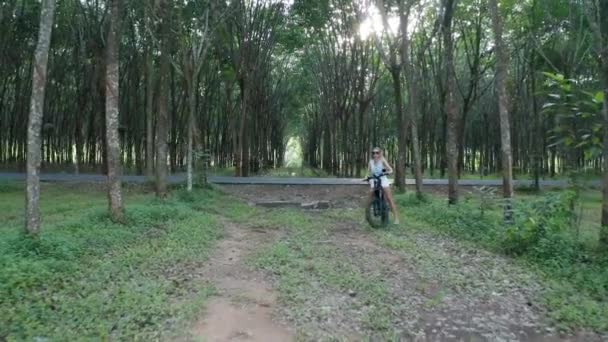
(377, 214)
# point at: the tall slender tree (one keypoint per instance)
(450, 103)
(149, 99)
(194, 52)
(112, 112)
(162, 122)
(502, 69)
(393, 63)
(39, 80)
(599, 18)
(410, 77)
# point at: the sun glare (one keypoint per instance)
(372, 24)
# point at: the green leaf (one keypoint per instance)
(557, 77)
(598, 97)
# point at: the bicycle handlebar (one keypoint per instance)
(375, 177)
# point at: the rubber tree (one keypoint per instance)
(451, 108)
(502, 69)
(193, 56)
(112, 113)
(394, 64)
(39, 81)
(162, 122)
(149, 97)
(599, 21)
(410, 78)
(252, 27)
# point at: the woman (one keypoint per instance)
(377, 166)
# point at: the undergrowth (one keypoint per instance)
(542, 237)
(306, 265)
(87, 278)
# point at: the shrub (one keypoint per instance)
(546, 218)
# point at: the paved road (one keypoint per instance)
(178, 178)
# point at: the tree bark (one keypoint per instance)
(243, 138)
(502, 65)
(450, 103)
(412, 109)
(415, 142)
(603, 41)
(162, 122)
(402, 127)
(604, 229)
(32, 221)
(112, 112)
(191, 128)
(150, 115)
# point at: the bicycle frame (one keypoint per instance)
(379, 205)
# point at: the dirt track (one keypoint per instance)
(243, 308)
(437, 289)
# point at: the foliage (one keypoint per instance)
(88, 278)
(541, 238)
(576, 114)
(537, 221)
(487, 198)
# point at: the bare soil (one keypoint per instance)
(243, 309)
(340, 196)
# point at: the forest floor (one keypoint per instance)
(335, 279)
(214, 266)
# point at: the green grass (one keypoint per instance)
(307, 266)
(86, 278)
(573, 267)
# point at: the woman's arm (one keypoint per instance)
(388, 167)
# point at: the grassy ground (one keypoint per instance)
(449, 264)
(312, 271)
(573, 267)
(88, 278)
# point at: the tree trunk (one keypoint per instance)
(150, 115)
(604, 229)
(242, 167)
(410, 77)
(191, 128)
(502, 65)
(415, 142)
(451, 109)
(112, 111)
(32, 221)
(402, 127)
(162, 122)
(603, 16)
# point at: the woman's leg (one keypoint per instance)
(391, 202)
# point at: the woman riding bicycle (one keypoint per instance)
(379, 166)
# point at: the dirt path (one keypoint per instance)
(435, 289)
(440, 291)
(429, 287)
(243, 309)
